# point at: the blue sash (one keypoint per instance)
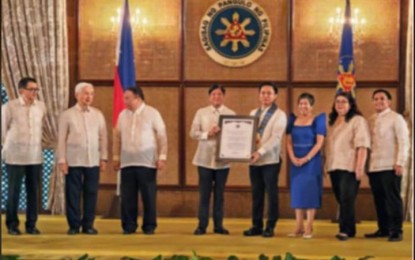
(267, 117)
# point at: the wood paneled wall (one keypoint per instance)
(175, 75)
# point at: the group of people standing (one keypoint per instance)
(340, 147)
(140, 149)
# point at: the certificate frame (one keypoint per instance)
(248, 142)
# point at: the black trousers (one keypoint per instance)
(15, 174)
(83, 180)
(134, 180)
(211, 179)
(386, 190)
(345, 187)
(264, 179)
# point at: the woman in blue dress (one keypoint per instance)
(305, 137)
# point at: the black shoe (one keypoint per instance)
(342, 237)
(268, 232)
(89, 231)
(395, 237)
(252, 232)
(221, 231)
(32, 231)
(128, 232)
(148, 232)
(199, 231)
(14, 231)
(376, 234)
(73, 231)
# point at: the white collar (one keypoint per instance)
(139, 109)
(384, 112)
(264, 109)
(77, 106)
(220, 109)
(22, 102)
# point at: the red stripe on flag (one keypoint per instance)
(118, 98)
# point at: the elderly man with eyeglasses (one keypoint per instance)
(82, 154)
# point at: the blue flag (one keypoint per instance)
(346, 81)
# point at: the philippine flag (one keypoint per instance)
(124, 73)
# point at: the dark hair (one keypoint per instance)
(137, 91)
(307, 96)
(274, 87)
(24, 81)
(350, 114)
(217, 86)
(384, 91)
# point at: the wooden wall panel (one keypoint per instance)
(156, 38)
(165, 100)
(376, 50)
(199, 66)
(175, 75)
(238, 205)
(242, 101)
(103, 101)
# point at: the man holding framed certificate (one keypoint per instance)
(213, 173)
(265, 160)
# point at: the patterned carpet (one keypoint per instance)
(174, 236)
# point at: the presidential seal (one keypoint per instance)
(235, 33)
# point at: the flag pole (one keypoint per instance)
(118, 190)
(346, 81)
(124, 77)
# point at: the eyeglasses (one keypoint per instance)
(342, 102)
(32, 89)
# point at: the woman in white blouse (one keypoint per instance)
(212, 173)
(347, 142)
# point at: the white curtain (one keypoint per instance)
(34, 43)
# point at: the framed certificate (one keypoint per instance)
(236, 139)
